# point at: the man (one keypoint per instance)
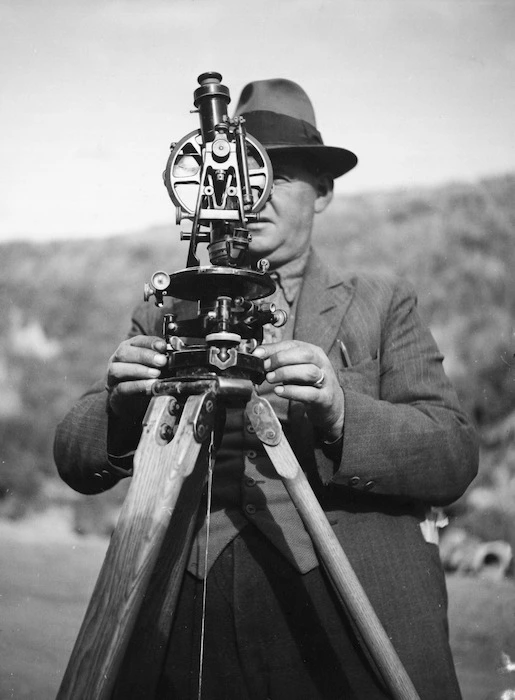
(357, 381)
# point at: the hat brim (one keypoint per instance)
(334, 161)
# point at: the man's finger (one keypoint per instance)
(265, 351)
(120, 372)
(139, 343)
(305, 394)
(306, 374)
(152, 342)
(294, 355)
(129, 354)
(139, 386)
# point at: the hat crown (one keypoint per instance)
(279, 114)
(276, 95)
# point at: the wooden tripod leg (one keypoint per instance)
(342, 575)
(143, 661)
(160, 468)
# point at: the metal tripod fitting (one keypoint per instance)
(204, 419)
(265, 422)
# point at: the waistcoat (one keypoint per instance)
(246, 488)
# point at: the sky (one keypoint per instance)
(92, 92)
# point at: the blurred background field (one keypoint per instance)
(66, 305)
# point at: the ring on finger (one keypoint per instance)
(320, 381)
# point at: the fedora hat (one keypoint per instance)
(279, 114)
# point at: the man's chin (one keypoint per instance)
(262, 241)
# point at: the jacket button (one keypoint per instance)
(250, 428)
(354, 480)
(369, 485)
(252, 454)
(250, 508)
(250, 481)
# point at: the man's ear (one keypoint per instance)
(325, 191)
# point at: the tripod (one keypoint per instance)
(170, 468)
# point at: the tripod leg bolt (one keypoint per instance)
(166, 432)
(270, 435)
(173, 407)
(204, 420)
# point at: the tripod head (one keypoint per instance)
(219, 178)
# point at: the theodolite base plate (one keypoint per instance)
(209, 282)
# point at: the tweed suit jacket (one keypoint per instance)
(407, 445)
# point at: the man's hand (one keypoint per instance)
(132, 370)
(303, 372)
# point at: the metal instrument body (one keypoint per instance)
(219, 178)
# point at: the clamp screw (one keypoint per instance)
(166, 432)
(263, 265)
(257, 408)
(173, 407)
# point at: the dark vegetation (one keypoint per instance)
(65, 306)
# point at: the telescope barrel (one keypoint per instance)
(211, 99)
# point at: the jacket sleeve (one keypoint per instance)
(407, 436)
(93, 449)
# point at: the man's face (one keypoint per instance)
(283, 232)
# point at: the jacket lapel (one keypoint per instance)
(323, 302)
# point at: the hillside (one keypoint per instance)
(66, 305)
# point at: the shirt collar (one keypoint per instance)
(289, 276)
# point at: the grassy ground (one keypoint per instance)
(482, 625)
(46, 579)
(47, 576)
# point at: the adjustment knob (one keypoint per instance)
(160, 280)
(280, 318)
(221, 149)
